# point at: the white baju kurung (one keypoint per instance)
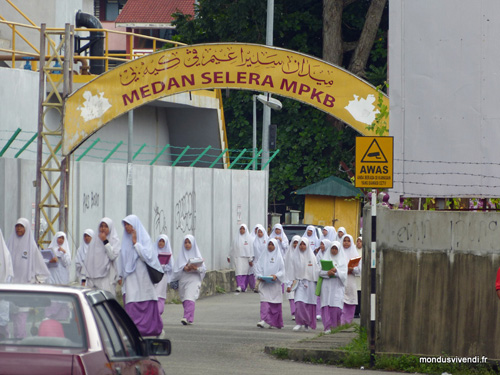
(189, 282)
(351, 289)
(101, 264)
(289, 269)
(281, 239)
(27, 261)
(242, 253)
(139, 291)
(6, 268)
(162, 286)
(332, 288)
(81, 255)
(59, 274)
(313, 238)
(271, 263)
(306, 272)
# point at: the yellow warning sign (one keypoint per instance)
(374, 162)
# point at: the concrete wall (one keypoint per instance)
(208, 203)
(435, 282)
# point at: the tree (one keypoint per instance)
(310, 147)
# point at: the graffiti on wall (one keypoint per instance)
(90, 201)
(185, 213)
(160, 221)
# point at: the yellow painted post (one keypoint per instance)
(106, 50)
(13, 46)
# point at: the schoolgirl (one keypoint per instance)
(101, 263)
(60, 263)
(242, 257)
(190, 271)
(270, 270)
(290, 274)
(163, 250)
(306, 272)
(333, 287)
(81, 255)
(351, 294)
(282, 240)
(140, 298)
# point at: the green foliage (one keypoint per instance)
(381, 122)
(220, 290)
(311, 144)
(280, 353)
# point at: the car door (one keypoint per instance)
(122, 341)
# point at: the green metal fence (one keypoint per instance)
(18, 143)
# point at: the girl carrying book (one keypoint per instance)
(333, 286)
(351, 293)
(270, 270)
(306, 271)
(190, 271)
(165, 257)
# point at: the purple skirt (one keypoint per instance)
(146, 317)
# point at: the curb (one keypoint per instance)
(331, 356)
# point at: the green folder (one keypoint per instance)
(326, 265)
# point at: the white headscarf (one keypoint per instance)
(55, 246)
(259, 243)
(331, 233)
(313, 238)
(305, 263)
(6, 268)
(128, 252)
(357, 239)
(59, 274)
(352, 252)
(25, 248)
(243, 244)
(97, 263)
(254, 232)
(81, 253)
(185, 255)
(341, 229)
(339, 261)
(271, 263)
(167, 249)
(290, 254)
(283, 245)
(321, 254)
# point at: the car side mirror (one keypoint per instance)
(158, 347)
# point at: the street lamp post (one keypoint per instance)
(267, 110)
(269, 103)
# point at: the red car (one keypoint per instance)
(47, 329)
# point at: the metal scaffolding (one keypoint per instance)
(56, 57)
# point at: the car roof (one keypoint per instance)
(95, 295)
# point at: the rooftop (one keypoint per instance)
(331, 186)
(153, 11)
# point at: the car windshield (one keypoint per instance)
(40, 319)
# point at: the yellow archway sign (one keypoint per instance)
(374, 162)
(212, 66)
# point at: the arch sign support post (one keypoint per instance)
(215, 66)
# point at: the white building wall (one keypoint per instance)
(444, 112)
(208, 203)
